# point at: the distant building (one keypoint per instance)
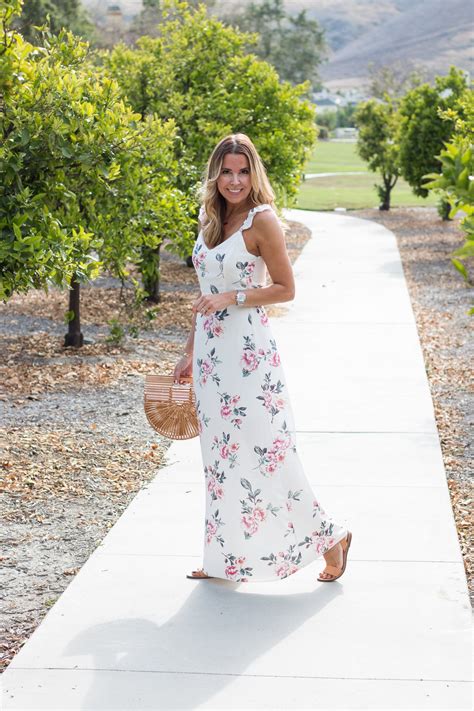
(324, 105)
(327, 100)
(345, 132)
(113, 26)
(114, 18)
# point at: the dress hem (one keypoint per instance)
(277, 577)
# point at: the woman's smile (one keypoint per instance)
(234, 181)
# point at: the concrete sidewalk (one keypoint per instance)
(132, 632)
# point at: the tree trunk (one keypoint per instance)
(445, 210)
(74, 336)
(384, 194)
(385, 204)
(151, 273)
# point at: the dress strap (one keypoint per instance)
(252, 213)
(202, 214)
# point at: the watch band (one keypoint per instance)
(240, 297)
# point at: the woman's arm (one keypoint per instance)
(184, 366)
(190, 342)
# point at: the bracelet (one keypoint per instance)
(186, 353)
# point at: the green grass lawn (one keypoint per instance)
(349, 191)
(335, 157)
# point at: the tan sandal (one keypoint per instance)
(199, 574)
(333, 570)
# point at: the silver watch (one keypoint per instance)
(240, 298)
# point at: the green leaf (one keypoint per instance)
(17, 231)
(460, 267)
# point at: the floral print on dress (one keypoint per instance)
(235, 569)
(207, 367)
(231, 410)
(269, 459)
(263, 315)
(271, 397)
(321, 539)
(198, 259)
(318, 509)
(293, 496)
(214, 481)
(220, 261)
(246, 270)
(253, 514)
(284, 562)
(251, 356)
(272, 357)
(262, 518)
(227, 449)
(213, 524)
(213, 324)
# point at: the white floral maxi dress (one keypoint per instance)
(262, 520)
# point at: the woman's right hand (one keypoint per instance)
(183, 368)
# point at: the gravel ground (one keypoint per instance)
(76, 446)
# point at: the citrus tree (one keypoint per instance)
(69, 14)
(423, 132)
(376, 143)
(455, 178)
(36, 247)
(198, 73)
(84, 181)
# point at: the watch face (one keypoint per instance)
(241, 297)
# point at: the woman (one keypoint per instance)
(262, 519)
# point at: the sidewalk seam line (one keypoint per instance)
(354, 560)
(266, 676)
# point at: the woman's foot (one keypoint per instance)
(199, 573)
(336, 558)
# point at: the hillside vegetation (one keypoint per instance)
(429, 33)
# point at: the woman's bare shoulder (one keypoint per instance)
(267, 222)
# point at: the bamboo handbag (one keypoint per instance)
(171, 407)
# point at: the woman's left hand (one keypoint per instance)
(208, 303)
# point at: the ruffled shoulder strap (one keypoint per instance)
(253, 212)
(202, 215)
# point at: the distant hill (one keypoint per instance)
(432, 34)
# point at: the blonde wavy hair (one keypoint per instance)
(213, 203)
